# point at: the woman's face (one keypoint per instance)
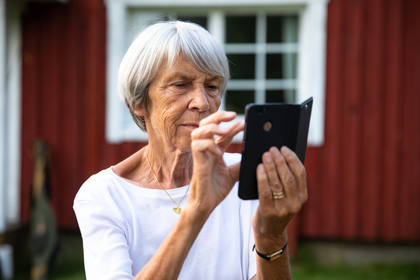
(179, 98)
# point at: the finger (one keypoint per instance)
(296, 167)
(272, 172)
(286, 176)
(234, 171)
(225, 140)
(218, 117)
(265, 195)
(208, 131)
(204, 145)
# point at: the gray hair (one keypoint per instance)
(167, 40)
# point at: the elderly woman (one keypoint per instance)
(171, 210)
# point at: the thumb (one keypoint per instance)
(234, 171)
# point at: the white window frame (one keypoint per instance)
(10, 112)
(311, 55)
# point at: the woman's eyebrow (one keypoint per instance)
(181, 75)
(213, 78)
(184, 76)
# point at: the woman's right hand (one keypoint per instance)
(212, 180)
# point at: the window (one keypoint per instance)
(263, 51)
(267, 47)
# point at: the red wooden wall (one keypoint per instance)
(364, 182)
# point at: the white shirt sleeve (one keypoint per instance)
(106, 252)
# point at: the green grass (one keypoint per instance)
(69, 271)
(305, 267)
(301, 271)
(69, 266)
(401, 271)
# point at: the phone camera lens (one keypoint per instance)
(267, 126)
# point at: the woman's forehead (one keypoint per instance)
(183, 68)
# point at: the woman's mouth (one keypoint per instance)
(191, 126)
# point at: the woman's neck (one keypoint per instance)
(172, 169)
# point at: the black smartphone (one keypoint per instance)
(268, 125)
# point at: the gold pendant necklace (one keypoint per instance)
(176, 209)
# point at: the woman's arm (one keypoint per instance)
(211, 182)
(167, 262)
(280, 172)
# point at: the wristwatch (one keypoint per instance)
(272, 256)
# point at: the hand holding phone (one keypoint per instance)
(268, 125)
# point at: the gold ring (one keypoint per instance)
(278, 195)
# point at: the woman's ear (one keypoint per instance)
(140, 111)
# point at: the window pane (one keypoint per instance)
(237, 100)
(282, 29)
(199, 20)
(240, 29)
(281, 66)
(242, 66)
(276, 96)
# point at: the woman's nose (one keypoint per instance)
(199, 99)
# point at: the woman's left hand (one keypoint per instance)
(282, 191)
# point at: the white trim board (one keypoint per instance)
(10, 112)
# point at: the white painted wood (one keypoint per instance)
(3, 116)
(10, 112)
(311, 65)
(14, 116)
(116, 17)
(216, 23)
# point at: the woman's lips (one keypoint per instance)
(190, 125)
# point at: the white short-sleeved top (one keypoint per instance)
(122, 226)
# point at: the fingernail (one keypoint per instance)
(268, 158)
(285, 150)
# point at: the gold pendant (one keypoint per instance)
(177, 210)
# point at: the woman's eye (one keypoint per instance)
(213, 87)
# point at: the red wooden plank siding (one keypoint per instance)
(330, 187)
(410, 173)
(93, 62)
(311, 219)
(392, 142)
(372, 132)
(351, 98)
(416, 168)
(29, 111)
(364, 182)
(63, 86)
(69, 160)
(47, 91)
